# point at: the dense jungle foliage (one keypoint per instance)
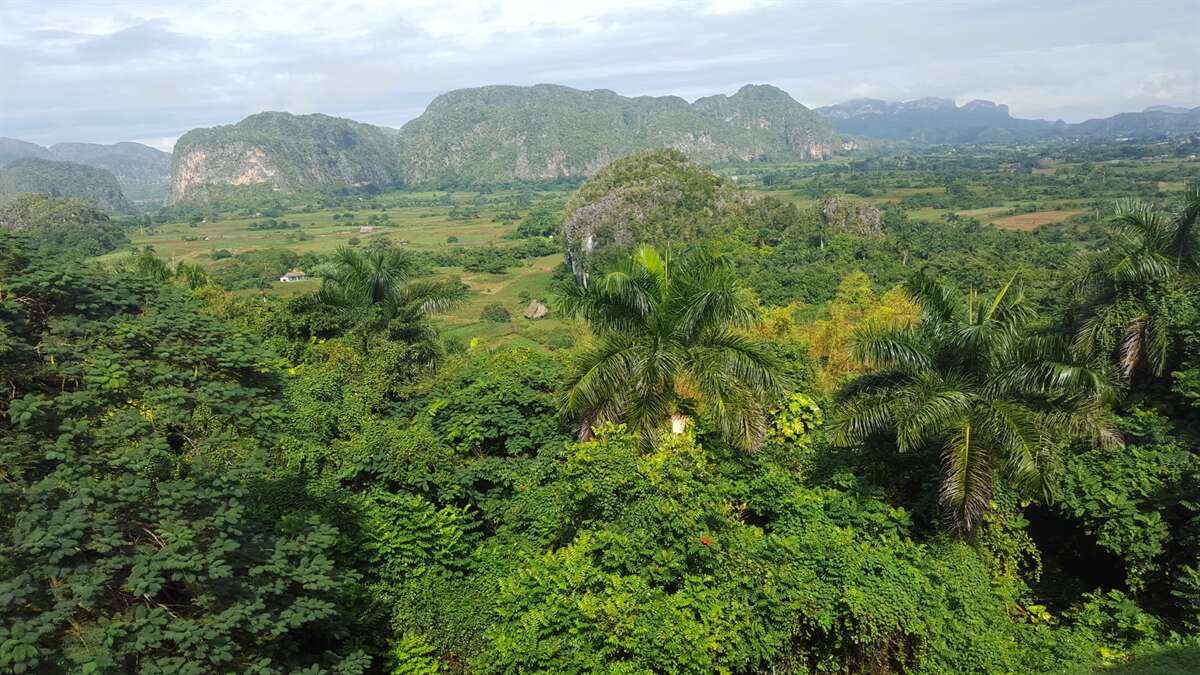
(783, 443)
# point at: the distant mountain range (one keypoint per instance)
(494, 135)
(284, 152)
(143, 172)
(939, 120)
(506, 134)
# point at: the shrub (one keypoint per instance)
(495, 313)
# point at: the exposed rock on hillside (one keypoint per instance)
(536, 310)
(505, 133)
(656, 197)
(861, 219)
(284, 152)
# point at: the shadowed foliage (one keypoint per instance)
(1128, 315)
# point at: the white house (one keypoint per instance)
(294, 275)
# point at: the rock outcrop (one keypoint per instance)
(536, 310)
(847, 216)
(656, 197)
(284, 152)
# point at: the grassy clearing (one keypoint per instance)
(1029, 221)
(423, 230)
(464, 323)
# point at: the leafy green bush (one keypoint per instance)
(495, 313)
(135, 535)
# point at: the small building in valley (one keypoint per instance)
(293, 275)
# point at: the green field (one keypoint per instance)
(424, 228)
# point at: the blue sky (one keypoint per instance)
(109, 70)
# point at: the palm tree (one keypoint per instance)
(378, 289)
(1125, 311)
(148, 266)
(970, 380)
(194, 276)
(668, 347)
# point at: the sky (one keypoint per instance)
(112, 70)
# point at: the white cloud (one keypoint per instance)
(111, 69)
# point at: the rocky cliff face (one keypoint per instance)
(284, 152)
(847, 216)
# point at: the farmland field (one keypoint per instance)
(1029, 221)
(480, 221)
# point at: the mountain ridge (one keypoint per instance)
(941, 120)
(545, 131)
(498, 134)
(266, 149)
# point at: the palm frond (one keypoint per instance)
(864, 416)
(654, 265)
(935, 408)
(934, 298)
(1131, 348)
(429, 296)
(1184, 244)
(740, 357)
(1140, 221)
(601, 376)
(887, 347)
(967, 487)
(1016, 430)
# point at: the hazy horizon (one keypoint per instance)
(109, 71)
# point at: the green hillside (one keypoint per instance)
(285, 152)
(97, 187)
(506, 133)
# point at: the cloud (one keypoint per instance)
(106, 70)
